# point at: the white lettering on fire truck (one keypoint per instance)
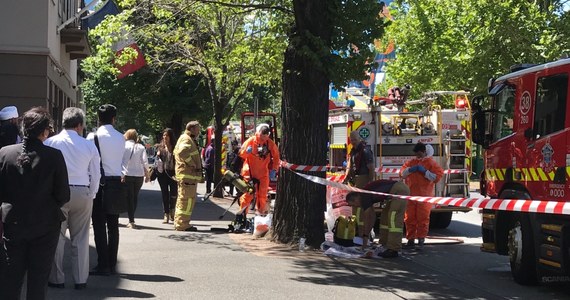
(525, 107)
(525, 103)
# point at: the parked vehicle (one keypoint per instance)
(523, 125)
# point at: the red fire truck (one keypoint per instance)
(524, 127)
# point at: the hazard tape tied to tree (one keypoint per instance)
(532, 206)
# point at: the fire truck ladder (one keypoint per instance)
(456, 183)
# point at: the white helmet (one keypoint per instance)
(261, 126)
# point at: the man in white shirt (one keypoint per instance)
(106, 209)
(82, 161)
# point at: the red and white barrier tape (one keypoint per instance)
(397, 170)
(306, 168)
(532, 206)
(337, 178)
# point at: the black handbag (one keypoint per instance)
(153, 173)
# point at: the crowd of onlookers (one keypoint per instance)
(52, 183)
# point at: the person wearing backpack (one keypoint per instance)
(392, 218)
(359, 171)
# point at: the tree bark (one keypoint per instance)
(300, 204)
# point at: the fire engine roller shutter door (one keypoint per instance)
(339, 134)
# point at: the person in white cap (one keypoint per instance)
(9, 133)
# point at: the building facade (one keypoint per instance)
(40, 44)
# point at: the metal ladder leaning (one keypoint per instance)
(456, 178)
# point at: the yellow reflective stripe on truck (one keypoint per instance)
(524, 174)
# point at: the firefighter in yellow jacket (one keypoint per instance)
(188, 174)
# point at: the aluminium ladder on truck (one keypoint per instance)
(456, 183)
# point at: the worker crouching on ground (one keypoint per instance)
(261, 161)
(392, 218)
(420, 174)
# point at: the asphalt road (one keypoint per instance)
(157, 262)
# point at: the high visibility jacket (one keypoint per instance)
(418, 182)
(188, 162)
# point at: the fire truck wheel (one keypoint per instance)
(521, 252)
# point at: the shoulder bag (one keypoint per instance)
(113, 192)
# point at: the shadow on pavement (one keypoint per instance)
(385, 275)
(380, 275)
(150, 278)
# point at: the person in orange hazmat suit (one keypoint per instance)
(261, 162)
(420, 174)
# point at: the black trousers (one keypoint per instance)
(106, 232)
(169, 190)
(134, 185)
(27, 250)
(209, 179)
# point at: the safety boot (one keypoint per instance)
(411, 244)
(421, 242)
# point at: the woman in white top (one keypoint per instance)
(135, 165)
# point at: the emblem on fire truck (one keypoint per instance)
(364, 133)
(547, 153)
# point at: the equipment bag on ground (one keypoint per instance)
(344, 230)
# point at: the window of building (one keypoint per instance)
(550, 111)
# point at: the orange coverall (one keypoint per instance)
(258, 167)
(417, 213)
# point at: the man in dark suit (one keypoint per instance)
(33, 187)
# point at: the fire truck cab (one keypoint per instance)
(523, 125)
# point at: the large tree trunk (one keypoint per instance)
(300, 205)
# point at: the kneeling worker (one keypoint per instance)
(392, 218)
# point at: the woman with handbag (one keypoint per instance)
(165, 167)
(136, 165)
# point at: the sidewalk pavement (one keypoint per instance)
(157, 262)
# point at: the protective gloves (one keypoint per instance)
(249, 149)
(272, 175)
(421, 168)
(412, 169)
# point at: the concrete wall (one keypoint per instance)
(24, 25)
(22, 80)
(35, 70)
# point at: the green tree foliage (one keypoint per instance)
(148, 100)
(234, 50)
(460, 44)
